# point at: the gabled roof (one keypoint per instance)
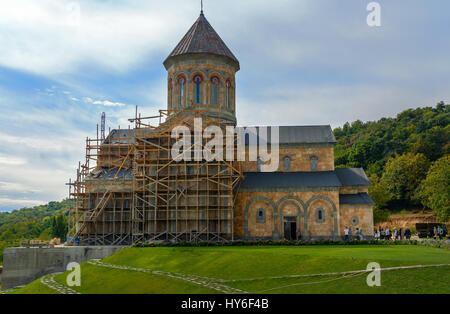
(316, 134)
(290, 179)
(202, 38)
(352, 176)
(337, 178)
(310, 134)
(356, 199)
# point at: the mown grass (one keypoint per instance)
(253, 262)
(36, 287)
(237, 263)
(410, 281)
(101, 280)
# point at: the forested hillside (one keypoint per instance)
(406, 158)
(40, 222)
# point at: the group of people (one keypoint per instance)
(349, 235)
(395, 234)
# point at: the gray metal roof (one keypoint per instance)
(352, 176)
(316, 134)
(356, 199)
(312, 134)
(202, 38)
(290, 179)
(337, 178)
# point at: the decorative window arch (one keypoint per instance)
(198, 80)
(215, 81)
(228, 94)
(181, 90)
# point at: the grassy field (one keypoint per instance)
(243, 265)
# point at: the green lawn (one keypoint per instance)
(237, 263)
(34, 288)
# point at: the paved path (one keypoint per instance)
(49, 281)
(210, 283)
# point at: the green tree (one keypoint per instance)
(403, 175)
(434, 191)
(382, 196)
(378, 191)
(58, 227)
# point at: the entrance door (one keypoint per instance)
(290, 228)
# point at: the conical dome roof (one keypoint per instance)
(202, 38)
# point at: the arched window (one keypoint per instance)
(314, 161)
(181, 90)
(320, 215)
(197, 88)
(287, 163)
(228, 94)
(260, 215)
(215, 90)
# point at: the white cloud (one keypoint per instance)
(19, 203)
(105, 103)
(11, 160)
(114, 35)
(108, 103)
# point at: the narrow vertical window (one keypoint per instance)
(287, 163)
(320, 215)
(197, 88)
(259, 165)
(314, 160)
(182, 83)
(215, 92)
(228, 95)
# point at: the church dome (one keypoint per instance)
(202, 39)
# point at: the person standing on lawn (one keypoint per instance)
(408, 233)
(346, 234)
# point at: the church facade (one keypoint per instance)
(306, 194)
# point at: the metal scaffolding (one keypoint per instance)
(131, 190)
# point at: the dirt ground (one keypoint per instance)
(403, 220)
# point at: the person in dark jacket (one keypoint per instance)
(407, 233)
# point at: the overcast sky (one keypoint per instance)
(303, 62)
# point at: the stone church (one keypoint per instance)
(139, 199)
